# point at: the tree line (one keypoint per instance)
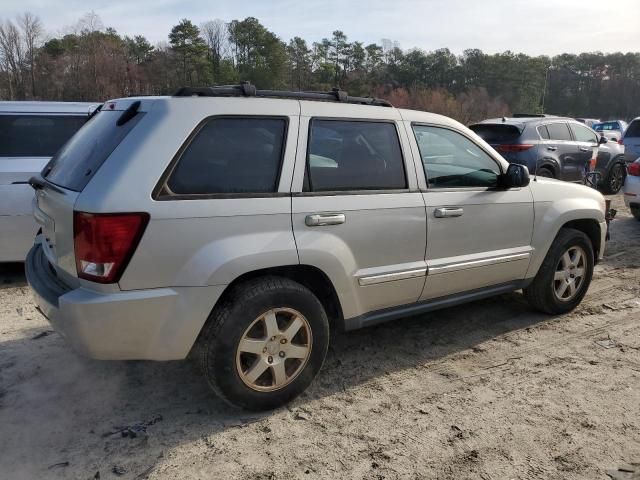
(94, 63)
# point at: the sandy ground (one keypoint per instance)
(490, 390)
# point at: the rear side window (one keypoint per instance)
(559, 131)
(354, 155)
(80, 158)
(496, 133)
(633, 130)
(231, 155)
(544, 133)
(36, 135)
(584, 134)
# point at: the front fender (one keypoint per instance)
(551, 216)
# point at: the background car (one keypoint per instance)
(589, 122)
(554, 147)
(632, 189)
(611, 166)
(30, 133)
(631, 140)
(612, 129)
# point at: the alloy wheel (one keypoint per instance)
(570, 273)
(274, 350)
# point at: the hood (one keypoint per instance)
(551, 190)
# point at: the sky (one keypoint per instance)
(535, 27)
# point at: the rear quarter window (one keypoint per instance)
(81, 157)
(36, 135)
(231, 155)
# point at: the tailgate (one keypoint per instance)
(53, 211)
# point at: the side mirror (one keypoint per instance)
(516, 176)
(602, 140)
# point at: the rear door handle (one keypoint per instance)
(322, 219)
(448, 212)
(552, 149)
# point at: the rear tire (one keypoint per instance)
(545, 172)
(614, 180)
(249, 352)
(565, 274)
(635, 211)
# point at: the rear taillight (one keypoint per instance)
(520, 147)
(620, 142)
(634, 169)
(104, 243)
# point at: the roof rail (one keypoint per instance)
(246, 89)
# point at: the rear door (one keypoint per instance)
(357, 211)
(66, 175)
(567, 151)
(587, 143)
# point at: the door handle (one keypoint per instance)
(322, 219)
(552, 149)
(585, 149)
(448, 212)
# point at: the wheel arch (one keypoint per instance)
(309, 276)
(591, 228)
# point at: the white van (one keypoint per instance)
(30, 133)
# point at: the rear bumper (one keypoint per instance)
(153, 324)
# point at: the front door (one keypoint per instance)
(477, 234)
(357, 213)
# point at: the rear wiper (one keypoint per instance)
(38, 183)
(129, 113)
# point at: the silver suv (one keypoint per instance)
(244, 225)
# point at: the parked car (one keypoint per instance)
(242, 228)
(611, 130)
(632, 189)
(553, 147)
(30, 133)
(611, 165)
(631, 140)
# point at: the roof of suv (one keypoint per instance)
(521, 121)
(47, 107)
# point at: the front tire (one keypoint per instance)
(265, 343)
(565, 274)
(545, 172)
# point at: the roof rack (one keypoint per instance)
(246, 89)
(531, 115)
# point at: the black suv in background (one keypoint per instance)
(555, 147)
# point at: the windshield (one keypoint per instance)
(81, 157)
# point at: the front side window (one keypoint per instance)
(584, 134)
(36, 135)
(559, 131)
(451, 160)
(354, 155)
(231, 155)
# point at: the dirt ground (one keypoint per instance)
(489, 390)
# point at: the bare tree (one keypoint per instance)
(215, 34)
(32, 32)
(12, 56)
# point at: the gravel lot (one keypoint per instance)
(489, 390)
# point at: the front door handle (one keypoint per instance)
(322, 219)
(448, 212)
(585, 149)
(552, 149)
